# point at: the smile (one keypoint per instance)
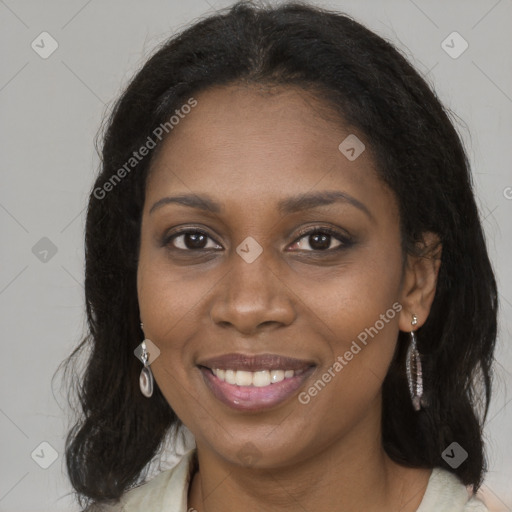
(252, 383)
(259, 379)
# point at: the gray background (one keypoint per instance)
(51, 110)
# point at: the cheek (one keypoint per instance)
(167, 306)
(352, 297)
(360, 308)
(361, 344)
(172, 306)
(168, 296)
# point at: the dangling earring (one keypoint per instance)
(414, 372)
(146, 380)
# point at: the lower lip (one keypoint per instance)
(253, 398)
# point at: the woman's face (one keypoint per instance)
(258, 275)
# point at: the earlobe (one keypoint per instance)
(420, 281)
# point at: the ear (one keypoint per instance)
(420, 281)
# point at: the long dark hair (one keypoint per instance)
(370, 86)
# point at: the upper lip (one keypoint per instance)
(254, 363)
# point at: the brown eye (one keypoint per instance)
(321, 239)
(191, 240)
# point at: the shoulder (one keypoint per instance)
(103, 507)
(166, 491)
(446, 493)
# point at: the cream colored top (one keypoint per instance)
(168, 492)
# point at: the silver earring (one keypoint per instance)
(146, 381)
(414, 371)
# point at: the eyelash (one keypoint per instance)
(345, 240)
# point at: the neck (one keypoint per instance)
(348, 475)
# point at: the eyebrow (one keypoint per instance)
(285, 206)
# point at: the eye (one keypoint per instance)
(320, 239)
(191, 240)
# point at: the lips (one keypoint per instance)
(255, 363)
(254, 382)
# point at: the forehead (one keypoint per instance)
(258, 144)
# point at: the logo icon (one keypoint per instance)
(249, 249)
(249, 454)
(152, 350)
(454, 455)
(44, 455)
(352, 147)
(44, 250)
(44, 45)
(454, 45)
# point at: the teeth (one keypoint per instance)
(276, 376)
(260, 379)
(257, 379)
(243, 378)
(230, 376)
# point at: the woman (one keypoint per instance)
(284, 254)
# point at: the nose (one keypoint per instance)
(252, 297)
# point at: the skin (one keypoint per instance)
(249, 148)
